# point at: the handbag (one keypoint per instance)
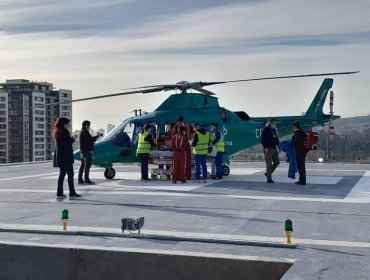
(55, 162)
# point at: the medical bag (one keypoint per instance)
(310, 141)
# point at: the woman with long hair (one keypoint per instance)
(63, 156)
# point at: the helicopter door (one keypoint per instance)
(127, 137)
(154, 131)
(137, 131)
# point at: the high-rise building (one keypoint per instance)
(25, 134)
(110, 127)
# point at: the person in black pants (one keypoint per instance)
(300, 152)
(270, 142)
(86, 150)
(63, 156)
(144, 147)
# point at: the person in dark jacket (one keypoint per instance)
(270, 143)
(86, 150)
(144, 147)
(300, 152)
(63, 156)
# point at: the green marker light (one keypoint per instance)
(65, 214)
(288, 225)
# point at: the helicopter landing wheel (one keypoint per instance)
(225, 170)
(109, 173)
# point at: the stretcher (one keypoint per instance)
(164, 161)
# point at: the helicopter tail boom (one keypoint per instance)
(314, 116)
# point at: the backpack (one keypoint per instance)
(310, 140)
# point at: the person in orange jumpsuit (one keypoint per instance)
(179, 145)
(189, 130)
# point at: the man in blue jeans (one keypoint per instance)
(200, 150)
(217, 140)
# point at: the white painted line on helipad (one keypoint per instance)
(362, 188)
(294, 198)
(43, 175)
(216, 236)
(175, 193)
(28, 176)
(244, 171)
(336, 170)
(316, 180)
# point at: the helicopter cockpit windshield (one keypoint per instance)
(125, 135)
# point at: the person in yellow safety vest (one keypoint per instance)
(144, 147)
(200, 150)
(217, 139)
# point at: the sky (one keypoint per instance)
(96, 47)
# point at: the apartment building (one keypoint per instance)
(25, 134)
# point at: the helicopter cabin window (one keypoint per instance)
(223, 115)
(154, 130)
(243, 115)
(169, 127)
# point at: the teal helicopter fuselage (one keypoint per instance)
(240, 130)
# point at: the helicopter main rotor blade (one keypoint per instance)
(101, 96)
(165, 87)
(204, 91)
(204, 84)
(185, 86)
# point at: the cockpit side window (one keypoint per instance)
(129, 130)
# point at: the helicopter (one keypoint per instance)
(240, 130)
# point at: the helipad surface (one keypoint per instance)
(331, 214)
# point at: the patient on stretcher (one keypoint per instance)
(164, 139)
